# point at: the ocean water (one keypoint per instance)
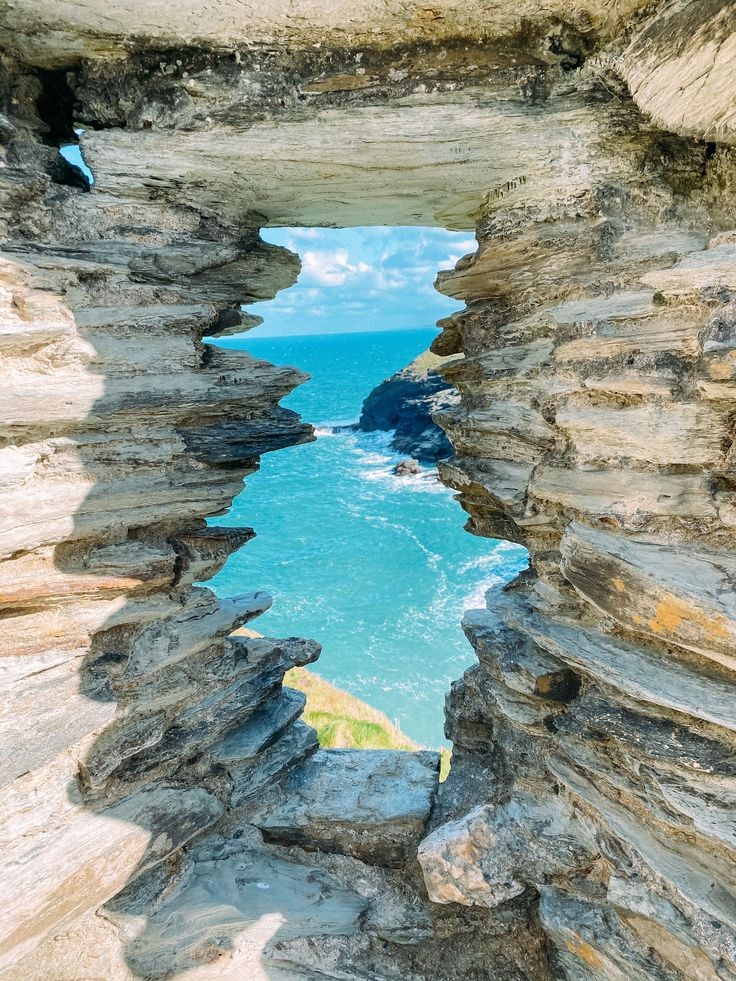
(377, 568)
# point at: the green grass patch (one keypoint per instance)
(335, 731)
(343, 721)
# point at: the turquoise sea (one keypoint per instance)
(377, 568)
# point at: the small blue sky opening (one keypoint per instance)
(73, 153)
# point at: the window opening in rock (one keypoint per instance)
(374, 565)
(72, 153)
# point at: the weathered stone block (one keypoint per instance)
(372, 805)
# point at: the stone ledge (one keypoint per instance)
(371, 804)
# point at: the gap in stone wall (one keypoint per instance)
(72, 153)
(372, 564)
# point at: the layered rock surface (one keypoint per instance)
(586, 827)
(596, 427)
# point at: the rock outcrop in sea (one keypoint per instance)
(165, 812)
(404, 405)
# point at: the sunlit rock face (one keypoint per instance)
(586, 829)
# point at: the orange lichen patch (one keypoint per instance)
(618, 584)
(544, 684)
(722, 370)
(672, 612)
(585, 952)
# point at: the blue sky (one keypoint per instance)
(362, 279)
(356, 279)
(74, 155)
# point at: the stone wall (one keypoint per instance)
(594, 739)
(166, 813)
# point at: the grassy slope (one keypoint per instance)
(343, 721)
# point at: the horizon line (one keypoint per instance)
(252, 335)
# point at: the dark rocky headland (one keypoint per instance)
(405, 403)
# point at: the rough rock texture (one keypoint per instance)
(372, 805)
(79, 28)
(405, 403)
(596, 427)
(586, 829)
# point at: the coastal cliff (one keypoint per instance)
(404, 405)
(166, 812)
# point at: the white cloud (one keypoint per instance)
(389, 279)
(331, 268)
(354, 276)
